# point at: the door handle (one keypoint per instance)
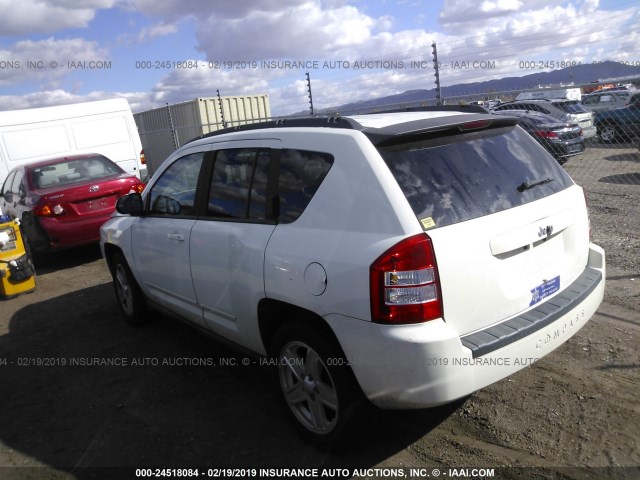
(175, 236)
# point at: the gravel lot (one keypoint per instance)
(575, 414)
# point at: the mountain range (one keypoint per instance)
(579, 75)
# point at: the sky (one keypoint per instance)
(154, 52)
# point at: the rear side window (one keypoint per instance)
(301, 173)
(571, 107)
(239, 184)
(6, 188)
(536, 108)
(245, 180)
(453, 179)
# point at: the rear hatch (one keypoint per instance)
(508, 225)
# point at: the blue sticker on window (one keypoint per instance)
(542, 291)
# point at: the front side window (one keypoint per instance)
(454, 179)
(175, 191)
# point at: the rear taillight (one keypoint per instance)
(546, 134)
(143, 160)
(48, 210)
(404, 283)
(138, 187)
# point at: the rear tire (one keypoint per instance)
(130, 298)
(608, 133)
(317, 387)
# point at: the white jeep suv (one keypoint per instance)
(403, 260)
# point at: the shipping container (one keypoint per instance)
(162, 130)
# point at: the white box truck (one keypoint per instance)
(553, 94)
(106, 127)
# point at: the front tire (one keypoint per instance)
(130, 298)
(317, 387)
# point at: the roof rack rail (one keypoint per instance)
(334, 121)
(441, 108)
(329, 122)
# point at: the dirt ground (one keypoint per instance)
(574, 414)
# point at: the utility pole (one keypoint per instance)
(310, 96)
(436, 66)
(224, 124)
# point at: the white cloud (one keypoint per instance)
(222, 9)
(460, 12)
(302, 30)
(148, 34)
(35, 16)
(55, 97)
(186, 84)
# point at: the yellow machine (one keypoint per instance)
(16, 269)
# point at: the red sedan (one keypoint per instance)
(62, 202)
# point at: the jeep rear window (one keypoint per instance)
(460, 177)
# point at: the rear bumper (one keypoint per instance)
(566, 149)
(53, 234)
(417, 366)
(589, 132)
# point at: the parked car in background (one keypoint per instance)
(621, 124)
(562, 140)
(570, 111)
(403, 260)
(62, 202)
(606, 100)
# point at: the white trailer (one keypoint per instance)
(105, 127)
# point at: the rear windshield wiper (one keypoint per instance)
(527, 185)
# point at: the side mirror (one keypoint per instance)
(130, 204)
(168, 205)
